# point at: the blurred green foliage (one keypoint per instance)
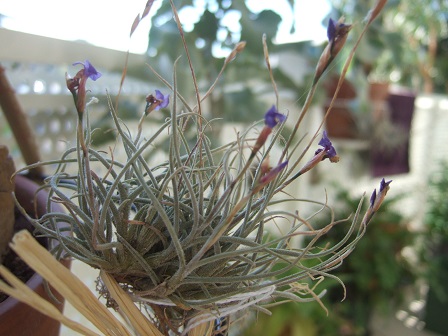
(434, 251)
(246, 80)
(437, 215)
(407, 43)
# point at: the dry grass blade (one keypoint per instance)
(23, 293)
(376, 10)
(190, 63)
(141, 324)
(268, 65)
(204, 329)
(69, 286)
(139, 17)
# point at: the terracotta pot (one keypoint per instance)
(378, 91)
(340, 122)
(346, 91)
(395, 160)
(17, 318)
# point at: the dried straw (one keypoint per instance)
(23, 293)
(140, 323)
(79, 295)
(68, 285)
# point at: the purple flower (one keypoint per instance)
(157, 102)
(77, 84)
(272, 117)
(89, 70)
(164, 100)
(384, 185)
(337, 33)
(377, 199)
(336, 30)
(331, 30)
(330, 151)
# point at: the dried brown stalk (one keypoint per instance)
(17, 120)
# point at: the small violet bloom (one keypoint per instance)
(89, 70)
(337, 33)
(272, 117)
(157, 102)
(332, 29)
(164, 100)
(330, 151)
(77, 84)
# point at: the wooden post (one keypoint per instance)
(17, 120)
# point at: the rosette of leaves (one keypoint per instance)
(184, 237)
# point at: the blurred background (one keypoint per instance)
(389, 120)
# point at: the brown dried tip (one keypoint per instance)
(72, 83)
(376, 10)
(134, 24)
(151, 103)
(334, 159)
(238, 48)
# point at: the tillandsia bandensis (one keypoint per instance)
(187, 237)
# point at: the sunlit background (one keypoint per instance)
(107, 24)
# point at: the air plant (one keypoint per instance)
(187, 238)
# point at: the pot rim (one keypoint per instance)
(24, 187)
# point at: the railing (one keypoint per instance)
(36, 68)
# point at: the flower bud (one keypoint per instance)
(337, 33)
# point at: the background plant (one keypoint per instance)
(435, 242)
(408, 36)
(245, 85)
